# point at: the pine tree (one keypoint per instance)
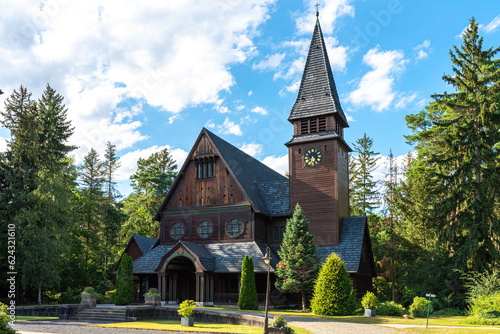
(363, 195)
(333, 291)
(124, 294)
(299, 258)
(152, 180)
(455, 137)
(247, 299)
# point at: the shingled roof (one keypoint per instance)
(317, 93)
(351, 243)
(144, 243)
(266, 189)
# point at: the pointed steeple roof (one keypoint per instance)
(317, 93)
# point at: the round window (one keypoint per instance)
(177, 231)
(234, 227)
(205, 229)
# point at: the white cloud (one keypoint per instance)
(102, 54)
(405, 99)
(129, 160)
(376, 86)
(229, 127)
(252, 149)
(270, 63)
(349, 118)
(250, 93)
(338, 55)
(3, 144)
(493, 25)
(422, 50)
(329, 12)
(210, 124)
(240, 107)
(278, 163)
(259, 110)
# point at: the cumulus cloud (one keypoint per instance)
(422, 50)
(270, 63)
(259, 110)
(229, 127)
(376, 86)
(252, 149)
(106, 57)
(278, 163)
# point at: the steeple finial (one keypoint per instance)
(317, 9)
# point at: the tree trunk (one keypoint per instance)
(303, 300)
(40, 292)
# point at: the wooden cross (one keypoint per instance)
(317, 9)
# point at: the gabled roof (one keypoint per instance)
(144, 243)
(317, 93)
(266, 189)
(147, 263)
(353, 235)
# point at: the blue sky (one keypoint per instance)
(150, 74)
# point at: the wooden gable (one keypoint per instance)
(204, 180)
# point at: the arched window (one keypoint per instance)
(205, 229)
(177, 231)
(234, 227)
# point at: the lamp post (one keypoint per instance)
(267, 260)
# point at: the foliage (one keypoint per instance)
(333, 291)
(480, 284)
(89, 291)
(299, 257)
(110, 294)
(449, 312)
(4, 321)
(151, 182)
(369, 300)
(364, 197)
(187, 308)
(482, 306)
(279, 321)
(455, 137)
(247, 299)
(124, 281)
(152, 292)
(390, 309)
(418, 309)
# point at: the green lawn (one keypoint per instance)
(452, 330)
(174, 325)
(30, 318)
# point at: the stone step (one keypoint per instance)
(99, 319)
(101, 314)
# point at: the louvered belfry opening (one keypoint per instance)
(313, 125)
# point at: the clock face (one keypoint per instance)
(313, 157)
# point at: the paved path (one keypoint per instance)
(322, 326)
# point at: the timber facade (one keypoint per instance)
(224, 204)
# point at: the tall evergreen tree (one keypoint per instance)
(151, 182)
(455, 137)
(247, 299)
(299, 258)
(363, 195)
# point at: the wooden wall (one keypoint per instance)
(133, 250)
(316, 190)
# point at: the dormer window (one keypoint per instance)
(313, 125)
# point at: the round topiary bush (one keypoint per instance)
(390, 308)
(369, 300)
(418, 309)
(333, 291)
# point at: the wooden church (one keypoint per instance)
(225, 204)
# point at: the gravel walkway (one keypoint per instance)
(316, 326)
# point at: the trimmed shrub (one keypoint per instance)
(390, 308)
(247, 299)
(449, 311)
(333, 291)
(186, 308)
(418, 309)
(369, 300)
(125, 281)
(4, 321)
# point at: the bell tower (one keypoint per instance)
(317, 153)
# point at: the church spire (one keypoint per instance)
(317, 93)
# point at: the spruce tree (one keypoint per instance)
(247, 299)
(455, 138)
(333, 291)
(124, 294)
(299, 258)
(363, 195)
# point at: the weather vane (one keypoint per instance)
(317, 9)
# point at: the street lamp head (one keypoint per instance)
(267, 257)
